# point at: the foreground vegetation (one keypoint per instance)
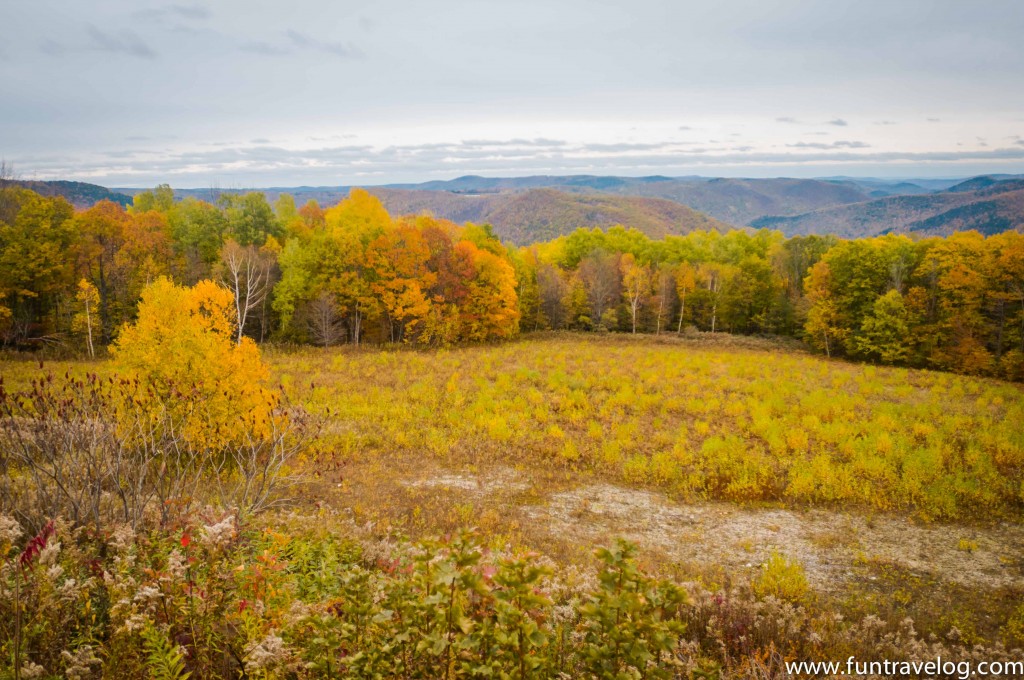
(313, 596)
(349, 581)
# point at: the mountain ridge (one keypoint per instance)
(538, 207)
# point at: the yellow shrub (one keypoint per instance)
(797, 440)
(611, 453)
(781, 578)
(664, 468)
(967, 545)
(183, 350)
(569, 452)
(635, 470)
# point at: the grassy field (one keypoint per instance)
(737, 465)
(698, 419)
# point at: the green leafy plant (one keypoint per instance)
(164, 660)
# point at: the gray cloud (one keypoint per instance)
(615, 148)
(787, 119)
(298, 42)
(120, 42)
(52, 47)
(264, 48)
(829, 145)
(539, 141)
(303, 41)
(838, 122)
(174, 11)
(190, 11)
(365, 160)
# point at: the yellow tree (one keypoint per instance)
(399, 258)
(491, 309)
(636, 284)
(183, 351)
(1006, 267)
(958, 262)
(146, 253)
(664, 283)
(825, 328)
(715, 277)
(88, 298)
(102, 235)
(350, 227)
(686, 282)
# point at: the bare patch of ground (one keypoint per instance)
(826, 543)
(829, 544)
(499, 481)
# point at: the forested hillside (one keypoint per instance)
(354, 273)
(982, 203)
(525, 210)
(525, 217)
(78, 194)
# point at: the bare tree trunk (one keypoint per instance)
(88, 327)
(246, 272)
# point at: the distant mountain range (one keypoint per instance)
(542, 214)
(536, 208)
(987, 204)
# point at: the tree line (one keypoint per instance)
(353, 273)
(349, 273)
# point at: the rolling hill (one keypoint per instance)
(526, 209)
(741, 201)
(541, 214)
(732, 200)
(735, 201)
(986, 204)
(78, 194)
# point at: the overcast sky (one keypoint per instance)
(243, 93)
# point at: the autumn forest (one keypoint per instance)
(352, 273)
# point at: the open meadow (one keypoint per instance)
(805, 505)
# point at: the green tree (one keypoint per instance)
(885, 332)
(160, 199)
(250, 219)
(197, 231)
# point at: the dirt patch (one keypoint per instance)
(495, 482)
(827, 544)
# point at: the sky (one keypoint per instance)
(245, 93)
